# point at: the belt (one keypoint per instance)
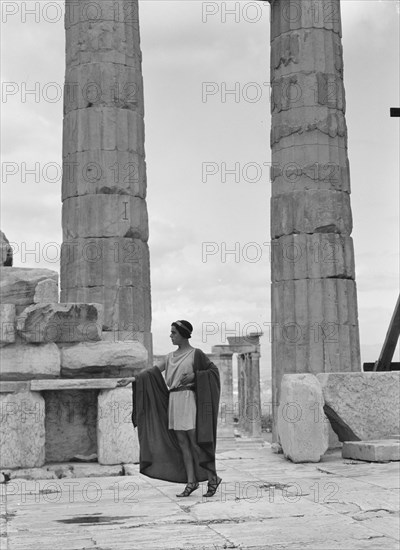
(182, 388)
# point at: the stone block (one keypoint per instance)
(304, 92)
(117, 440)
(18, 284)
(100, 85)
(126, 308)
(29, 361)
(145, 338)
(311, 212)
(97, 470)
(289, 49)
(33, 474)
(383, 450)
(22, 430)
(70, 424)
(65, 322)
(7, 319)
(93, 262)
(115, 40)
(103, 359)
(131, 469)
(46, 292)
(317, 256)
(362, 405)
(91, 216)
(302, 425)
(104, 172)
(312, 165)
(309, 16)
(116, 11)
(106, 128)
(314, 324)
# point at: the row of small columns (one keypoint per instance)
(247, 409)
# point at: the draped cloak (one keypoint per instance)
(160, 454)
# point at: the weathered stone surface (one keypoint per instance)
(131, 469)
(33, 474)
(70, 424)
(46, 292)
(14, 387)
(125, 307)
(7, 319)
(309, 16)
(28, 361)
(116, 439)
(144, 337)
(306, 91)
(314, 327)
(362, 405)
(111, 215)
(61, 384)
(316, 256)
(103, 359)
(66, 322)
(91, 262)
(97, 470)
(302, 425)
(106, 128)
(312, 165)
(382, 450)
(6, 252)
(302, 45)
(18, 284)
(249, 394)
(88, 86)
(104, 172)
(22, 431)
(311, 212)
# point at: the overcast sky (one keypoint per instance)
(192, 213)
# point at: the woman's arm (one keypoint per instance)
(161, 364)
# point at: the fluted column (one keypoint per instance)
(314, 300)
(105, 256)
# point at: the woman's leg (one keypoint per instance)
(184, 444)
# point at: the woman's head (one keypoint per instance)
(180, 330)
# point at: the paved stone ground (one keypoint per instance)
(264, 502)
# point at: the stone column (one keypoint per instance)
(105, 256)
(249, 394)
(314, 301)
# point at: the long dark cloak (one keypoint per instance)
(160, 455)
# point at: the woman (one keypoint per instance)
(177, 427)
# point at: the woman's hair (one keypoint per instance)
(184, 328)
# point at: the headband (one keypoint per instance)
(184, 327)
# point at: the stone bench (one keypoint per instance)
(53, 420)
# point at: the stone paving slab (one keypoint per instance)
(264, 502)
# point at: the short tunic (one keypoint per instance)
(182, 404)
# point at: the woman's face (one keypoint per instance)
(176, 338)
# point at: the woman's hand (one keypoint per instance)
(124, 382)
(187, 379)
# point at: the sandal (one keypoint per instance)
(188, 490)
(212, 487)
